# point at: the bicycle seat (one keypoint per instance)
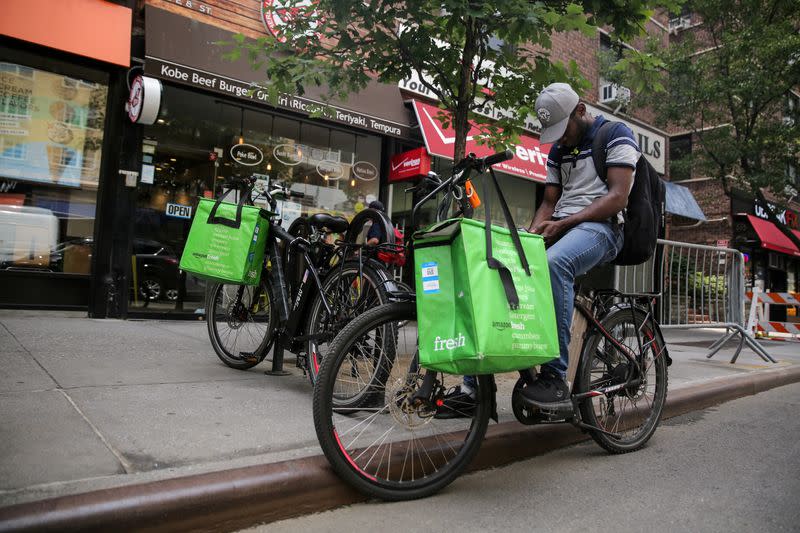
(334, 224)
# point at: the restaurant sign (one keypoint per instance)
(250, 91)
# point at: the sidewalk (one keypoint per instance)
(93, 404)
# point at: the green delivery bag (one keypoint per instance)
(226, 242)
(482, 313)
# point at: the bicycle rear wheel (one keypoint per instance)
(241, 323)
(631, 414)
(397, 448)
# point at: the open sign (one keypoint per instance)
(179, 211)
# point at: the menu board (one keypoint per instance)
(51, 127)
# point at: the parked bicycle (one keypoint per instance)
(287, 310)
(403, 444)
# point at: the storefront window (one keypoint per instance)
(51, 133)
(187, 155)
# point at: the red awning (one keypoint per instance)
(530, 158)
(772, 238)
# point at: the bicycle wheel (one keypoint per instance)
(397, 448)
(631, 414)
(349, 292)
(241, 323)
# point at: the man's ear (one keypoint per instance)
(580, 109)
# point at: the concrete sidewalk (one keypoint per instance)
(93, 404)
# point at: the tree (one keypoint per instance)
(468, 53)
(726, 82)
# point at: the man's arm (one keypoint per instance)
(619, 181)
(552, 193)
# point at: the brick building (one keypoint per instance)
(736, 219)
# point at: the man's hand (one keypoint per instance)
(551, 230)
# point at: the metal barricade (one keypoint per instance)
(700, 287)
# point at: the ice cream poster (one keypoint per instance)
(51, 127)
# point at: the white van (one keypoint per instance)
(27, 236)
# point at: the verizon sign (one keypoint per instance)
(409, 165)
(530, 157)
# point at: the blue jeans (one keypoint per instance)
(579, 250)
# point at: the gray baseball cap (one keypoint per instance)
(553, 107)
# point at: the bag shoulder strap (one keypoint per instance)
(505, 274)
(599, 144)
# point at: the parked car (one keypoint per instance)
(157, 271)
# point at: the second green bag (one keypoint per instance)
(472, 318)
(226, 242)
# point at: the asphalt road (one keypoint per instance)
(734, 467)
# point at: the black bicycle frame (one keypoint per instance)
(290, 318)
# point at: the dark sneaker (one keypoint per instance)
(455, 404)
(546, 389)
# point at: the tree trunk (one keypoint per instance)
(461, 126)
(463, 98)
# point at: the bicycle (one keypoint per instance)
(404, 448)
(288, 312)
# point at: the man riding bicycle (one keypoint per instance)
(580, 218)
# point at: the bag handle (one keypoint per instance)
(495, 264)
(237, 222)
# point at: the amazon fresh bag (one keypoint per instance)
(469, 319)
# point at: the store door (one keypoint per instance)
(164, 208)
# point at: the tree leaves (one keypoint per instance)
(728, 82)
(344, 42)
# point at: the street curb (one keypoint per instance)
(242, 497)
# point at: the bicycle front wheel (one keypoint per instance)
(627, 416)
(241, 323)
(400, 446)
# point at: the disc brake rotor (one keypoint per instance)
(404, 410)
(237, 315)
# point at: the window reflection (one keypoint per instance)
(189, 152)
(51, 133)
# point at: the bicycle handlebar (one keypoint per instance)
(460, 174)
(499, 157)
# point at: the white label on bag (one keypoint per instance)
(430, 277)
(430, 286)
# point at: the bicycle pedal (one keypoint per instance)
(248, 357)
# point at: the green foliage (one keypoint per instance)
(708, 286)
(687, 274)
(727, 81)
(342, 44)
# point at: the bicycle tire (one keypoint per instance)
(241, 333)
(620, 411)
(338, 286)
(428, 452)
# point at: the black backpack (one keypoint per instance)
(644, 216)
